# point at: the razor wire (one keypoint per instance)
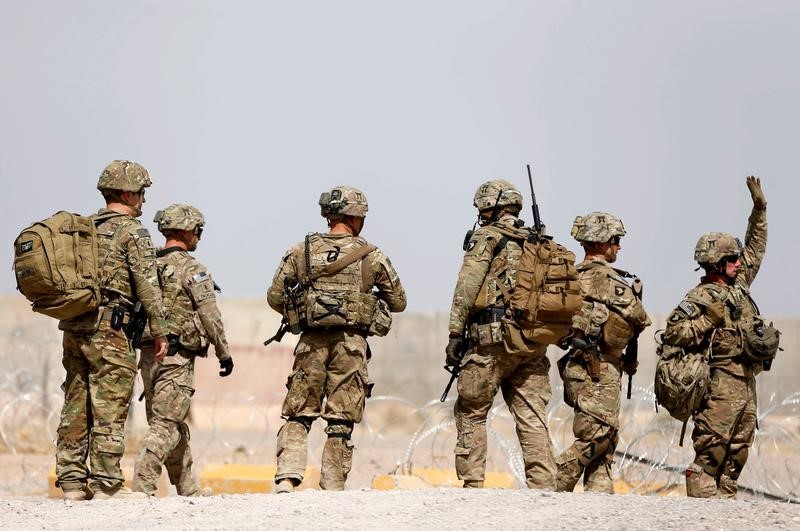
(396, 435)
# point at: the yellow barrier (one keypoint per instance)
(241, 479)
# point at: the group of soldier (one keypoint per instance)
(335, 290)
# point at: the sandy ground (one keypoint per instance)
(434, 508)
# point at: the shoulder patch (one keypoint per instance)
(688, 308)
(199, 277)
(143, 232)
(616, 276)
(470, 245)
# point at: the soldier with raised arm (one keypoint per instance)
(720, 318)
(335, 289)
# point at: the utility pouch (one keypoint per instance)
(487, 334)
(381, 319)
(117, 317)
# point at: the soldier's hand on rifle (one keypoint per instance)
(716, 312)
(754, 185)
(630, 367)
(226, 367)
(161, 347)
(454, 347)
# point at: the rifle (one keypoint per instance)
(136, 324)
(537, 220)
(456, 369)
(280, 333)
(631, 355)
(632, 349)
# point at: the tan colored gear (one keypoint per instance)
(598, 227)
(497, 193)
(714, 246)
(125, 176)
(343, 201)
(179, 217)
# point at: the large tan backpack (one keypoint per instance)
(547, 292)
(55, 262)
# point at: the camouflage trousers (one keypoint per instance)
(595, 427)
(525, 384)
(724, 430)
(101, 367)
(168, 390)
(330, 365)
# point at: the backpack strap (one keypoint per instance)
(340, 264)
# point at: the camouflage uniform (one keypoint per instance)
(724, 427)
(193, 322)
(330, 363)
(487, 367)
(612, 313)
(99, 360)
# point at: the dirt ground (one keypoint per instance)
(433, 508)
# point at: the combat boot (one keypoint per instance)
(699, 483)
(284, 486)
(473, 484)
(120, 493)
(727, 488)
(199, 493)
(76, 492)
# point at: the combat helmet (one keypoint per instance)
(497, 193)
(125, 176)
(714, 246)
(343, 201)
(599, 227)
(179, 217)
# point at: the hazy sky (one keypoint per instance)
(654, 111)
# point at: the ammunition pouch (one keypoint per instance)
(193, 335)
(486, 327)
(617, 333)
(725, 343)
(381, 319)
(761, 341)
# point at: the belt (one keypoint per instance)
(107, 311)
(488, 315)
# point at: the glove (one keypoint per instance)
(716, 313)
(630, 367)
(454, 347)
(226, 367)
(754, 185)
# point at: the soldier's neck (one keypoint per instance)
(121, 208)
(342, 228)
(172, 242)
(716, 278)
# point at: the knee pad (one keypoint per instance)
(339, 428)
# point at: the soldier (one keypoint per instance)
(193, 323)
(489, 271)
(713, 318)
(324, 288)
(98, 357)
(611, 316)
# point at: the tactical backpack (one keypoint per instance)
(56, 263)
(681, 382)
(547, 292)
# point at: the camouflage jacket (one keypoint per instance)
(610, 300)
(374, 270)
(127, 270)
(190, 303)
(484, 266)
(689, 327)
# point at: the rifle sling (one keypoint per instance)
(340, 264)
